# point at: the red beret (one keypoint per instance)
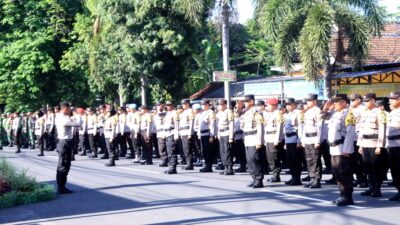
(272, 101)
(80, 110)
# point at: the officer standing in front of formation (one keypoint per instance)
(146, 122)
(40, 131)
(273, 126)
(110, 135)
(17, 130)
(171, 129)
(252, 126)
(341, 133)
(371, 139)
(206, 135)
(186, 119)
(64, 126)
(311, 140)
(393, 142)
(224, 133)
(238, 138)
(294, 153)
(158, 125)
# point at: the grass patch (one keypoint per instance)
(17, 188)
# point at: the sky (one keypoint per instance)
(246, 8)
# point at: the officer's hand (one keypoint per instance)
(299, 145)
(258, 147)
(317, 146)
(285, 147)
(360, 150)
(276, 145)
(211, 140)
(190, 136)
(378, 151)
(230, 141)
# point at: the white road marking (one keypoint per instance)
(142, 170)
(308, 198)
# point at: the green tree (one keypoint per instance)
(306, 27)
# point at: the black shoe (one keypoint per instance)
(241, 169)
(182, 163)
(65, 191)
(147, 163)
(344, 202)
(122, 155)
(308, 185)
(362, 185)
(206, 170)
(316, 184)
(41, 154)
(395, 197)
(164, 164)
(307, 178)
(367, 192)
(110, 164)
(170, 171)
(331, 181)
(188, 168)
(294, 182)
(93, 156)
(229, 172)
(251, 184)
(376, 194)
(104, 157)
(18, 151)
(82, 154)
(274, 179)
(258, 184)
(288, 182)
(334, 202)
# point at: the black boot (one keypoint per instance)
(171, 170)
(316, 184)
(18, 150)
(258, 184)
(104, 157)
(307, 178)
(241, 169)
(377, 191)
(312, 180)
(224, 171)
(206, 169)
(110, 163)
(395, 197)
(230, 172)
(163, 164)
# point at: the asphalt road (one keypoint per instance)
(137, 194)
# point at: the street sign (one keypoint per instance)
(221, 76)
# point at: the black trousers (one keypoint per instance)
(128, 139)
(50, 137)
(314, 164)
(92, 143)
(82, 142)
(374, 166)
(342, 170)
(172, 151)
(100, 142)
(136, 144)
(187, 150)
(40, 139)
(147, 148)
(274, 159)
(110, 145)
(64, 148)
(18, 139)
(358, 164)
(196, 146)
(256, 162)
(206, 150)
(75, 143)
(394, 157)
(225, 151)
(162, 148)
(154, 143)
(326, 155)
(239, 151)
(294, 157)
(120, 145)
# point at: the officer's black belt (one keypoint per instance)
(168, 129)
(250, 133)
(291, 134)
(370, 136)
(90, 128)
(336, 143)
(394, 137)
(224, 129)
(311, 134)
(204, 131)
(270, 132)
(184, 128)
(239, 132)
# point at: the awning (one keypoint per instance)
(365, 73)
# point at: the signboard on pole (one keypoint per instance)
(221, 76)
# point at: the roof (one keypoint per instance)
(365, 73)
(383, 49)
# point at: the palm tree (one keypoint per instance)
(306, 27)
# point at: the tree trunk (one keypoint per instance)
(328, 81)
(225, 47)
(143, 89)
(121, 93)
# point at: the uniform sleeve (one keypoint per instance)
(212, 124)
(319, 125)
(216, 130)
(279, 128)
(191, 122)
(149, 123)
(260, 129)
(176, 119)
(382, 120)
(350, 123)
(231, 118)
